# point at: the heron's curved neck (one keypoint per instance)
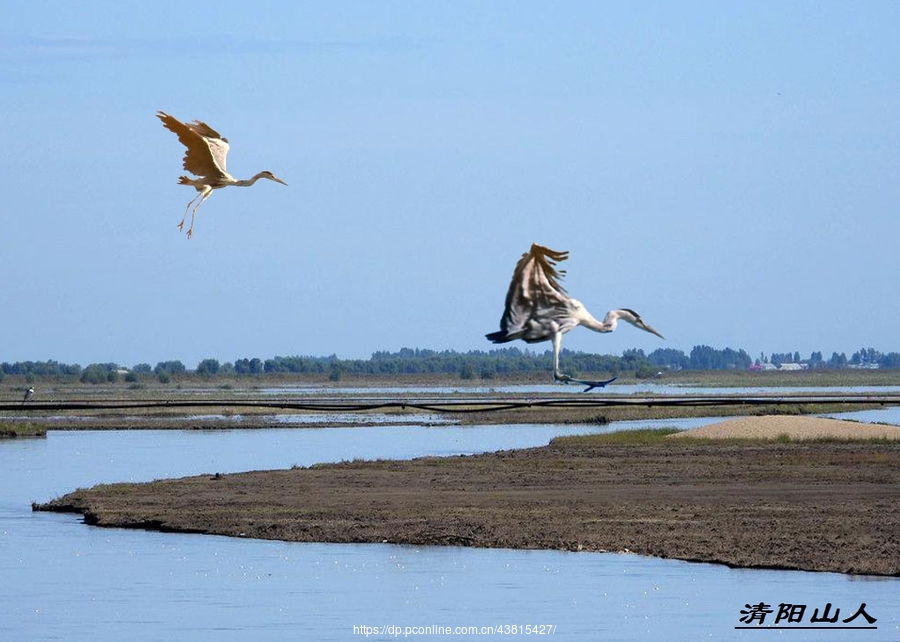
(248, 181)
(607, 325)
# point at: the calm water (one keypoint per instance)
(645, 388)
(61, 580)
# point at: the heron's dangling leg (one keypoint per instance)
(193, 214)
(181, 225)
(564, 378)
(203, 195)
(557, 375)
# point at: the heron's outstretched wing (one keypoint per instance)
(537, 305)
(206, 149)
(218, 146)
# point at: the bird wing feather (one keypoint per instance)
(218, 146)
(536, 304)
(206, 150)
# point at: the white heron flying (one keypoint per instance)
(538, 309)
(205, 157)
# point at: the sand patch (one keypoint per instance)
(796, 427)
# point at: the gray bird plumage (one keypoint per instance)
(539, 309)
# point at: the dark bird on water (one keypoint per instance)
(538, 309)
(205, 157)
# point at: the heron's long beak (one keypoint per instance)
(644, 326)
(278, 180)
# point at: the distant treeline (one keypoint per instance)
(468, 365)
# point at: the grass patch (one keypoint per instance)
(22, 429)
(651, 436)
(623, 437)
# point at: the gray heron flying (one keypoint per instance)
(205, 157)
(538, 309)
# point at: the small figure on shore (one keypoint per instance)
(28, 394)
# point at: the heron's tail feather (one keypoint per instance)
(499, 337)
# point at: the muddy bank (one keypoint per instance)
(822, 506)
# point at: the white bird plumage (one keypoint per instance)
(205, 157)
(538, 308)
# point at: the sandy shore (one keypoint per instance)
(794, 427)
(823, 505)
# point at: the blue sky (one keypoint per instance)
(729, 170)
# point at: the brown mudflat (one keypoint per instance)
(811, 505)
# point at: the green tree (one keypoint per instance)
(669, 358)
(890, 360)
(172, 367)
(208, 367)
(837, 360)
(704, 358)
(94, 374)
